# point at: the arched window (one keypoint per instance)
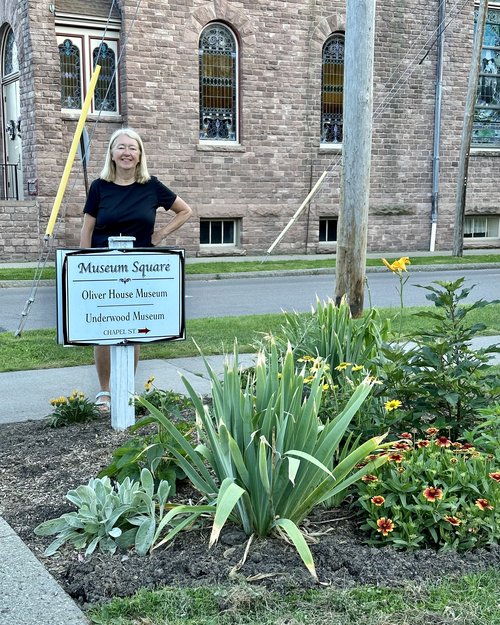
(105, 90)
(71, 75)
(10, 60)
(218, 54)
(332, 89)
(11, 167)
(486, 128)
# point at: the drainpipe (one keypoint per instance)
(437, 122)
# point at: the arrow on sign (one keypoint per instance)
(143, 330)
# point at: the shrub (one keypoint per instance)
(438, 377)
(433, 493)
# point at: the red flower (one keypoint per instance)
(467, 446)
(495, 476)
(423, 443)
(378, 500)
(431, 493)
(442, 441)
(369, 477)
(432, 431)
(483, 504)
(384, 526)
(453, 520)
(396, 458)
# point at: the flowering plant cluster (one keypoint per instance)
(167, 401)
(432, 492)
(73, 409)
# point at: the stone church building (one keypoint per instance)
(240, 105)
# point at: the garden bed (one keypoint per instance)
(38, 465)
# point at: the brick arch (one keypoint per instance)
(219, 10)
(325, 27)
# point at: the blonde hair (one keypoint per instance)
(108, 172)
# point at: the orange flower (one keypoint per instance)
(442, 441)
(406, 435)
(384, 526)
(453, 520)
(396, 458)
(483, 504)
(431, 493)
(432, 431)
(495, 476)
(401, 446)
(423, 443)
(378, 500)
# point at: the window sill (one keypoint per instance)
(103, 117)
(216, 146)
(330, 147)
(220, 250)
(484, 151)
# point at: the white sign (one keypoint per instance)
(122, 296)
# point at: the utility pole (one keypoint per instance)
(356, 153)
(463, 163)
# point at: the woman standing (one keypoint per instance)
(123, 202)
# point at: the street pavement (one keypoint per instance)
(29, 595)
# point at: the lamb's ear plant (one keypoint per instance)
(264, 460)
(109, 516)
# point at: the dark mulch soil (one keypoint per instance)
(38, 465)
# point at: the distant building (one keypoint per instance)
(240, 104)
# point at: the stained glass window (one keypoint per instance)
(105, 89)
(10, 59)
(332, 90)
(486, 128)
(71, 79)
(218, 83)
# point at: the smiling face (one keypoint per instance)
(126, 154)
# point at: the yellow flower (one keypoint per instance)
(357, 368)
(149, 383)
(343, 365)
(398, 265)
(326, 387)
(391, 405)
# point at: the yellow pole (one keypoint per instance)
(72, 153)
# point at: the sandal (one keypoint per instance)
(104, 405)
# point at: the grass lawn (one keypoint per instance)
(37, 349)
(471, 600)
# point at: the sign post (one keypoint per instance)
(121, 297)
(122, 367)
